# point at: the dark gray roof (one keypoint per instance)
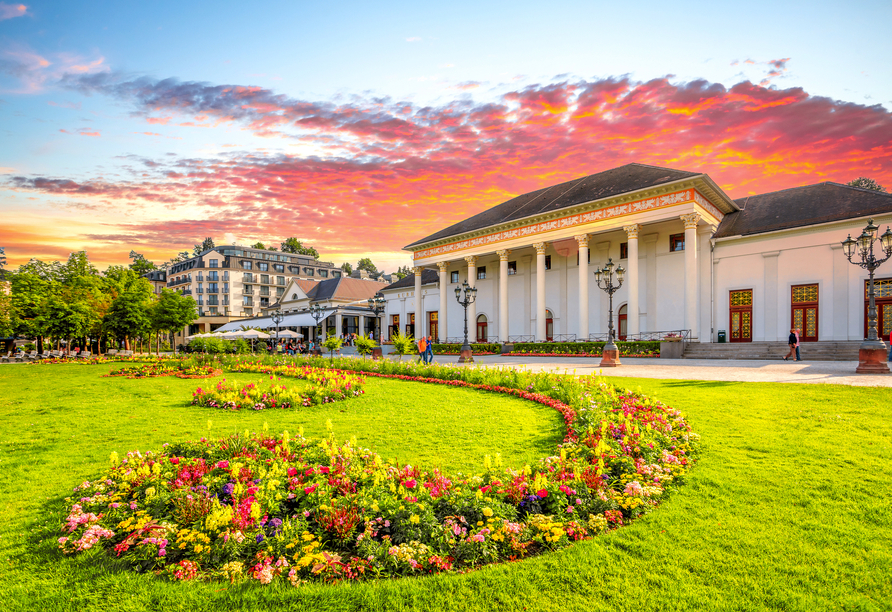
(428, 277)
(624, 179)
(802, 206)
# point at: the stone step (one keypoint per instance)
(812, 351)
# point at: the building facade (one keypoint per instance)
(694, 260)
(234, 282)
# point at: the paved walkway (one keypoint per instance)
(831, 372)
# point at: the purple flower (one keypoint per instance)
(259, 538)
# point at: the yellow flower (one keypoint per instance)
(414, 519)
(487, 512)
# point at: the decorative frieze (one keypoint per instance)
(601, 214)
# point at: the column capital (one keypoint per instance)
(582, 240)
(471, 259)
(540, 247)
(690, 220)
(632, 231)
(503, 254)
(417, 270)
(442, 265)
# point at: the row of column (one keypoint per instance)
(691, 284)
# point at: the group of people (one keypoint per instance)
(289, 347)
(425, 350)
(793, 341)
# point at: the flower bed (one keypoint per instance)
(276, 508)
(180, 370)
(326, 386)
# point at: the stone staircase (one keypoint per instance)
(811, 351)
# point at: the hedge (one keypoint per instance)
(476, 347)
(586, 348)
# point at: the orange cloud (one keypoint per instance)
(8, 11)
(394, 171)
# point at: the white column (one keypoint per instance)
(503, 295)
(404, 317)
(472, 308)
(650, 288)
(691, 274)
(443, 267)
(361, 325)
(540, 290)
(769, 302)
(582, 327)
(338, 325)
(632, 279)
(604, 303)
(419, 316)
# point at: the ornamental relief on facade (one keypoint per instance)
(601, 214)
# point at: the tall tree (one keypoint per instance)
(366, 264)
(206, 245)
(866, 183)
(293, 245)
(140, 264)
(128, 316)
(347, 268)
(173, 312)
(31, 286)
(402, 272)
(78, 265)
(258, 245)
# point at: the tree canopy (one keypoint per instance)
(258, 245)
(206, 245)
(366, 264)
(293, 245)
(866, 183)
(347, 268)
(140, 264)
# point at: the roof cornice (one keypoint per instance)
(700, 182)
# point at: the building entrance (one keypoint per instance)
(882, 288)
(741, 324)
(805, 312)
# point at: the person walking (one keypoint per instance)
(422, 350)
(430, 350)
(792, 340)
(797, 331)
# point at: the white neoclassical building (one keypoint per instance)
(694, 259)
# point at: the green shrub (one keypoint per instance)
(403, 345)
(476, 347)
(587, 348)
(364, 345)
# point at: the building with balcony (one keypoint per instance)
(232, 282)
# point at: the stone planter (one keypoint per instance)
(671, 349)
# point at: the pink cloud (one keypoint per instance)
(9, 11)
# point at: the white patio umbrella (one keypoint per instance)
(287, 333)
(252, 334)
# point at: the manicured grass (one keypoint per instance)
(787, 509)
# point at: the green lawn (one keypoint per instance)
(789, 507)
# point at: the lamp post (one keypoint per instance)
(316, 311)
(872, 353)
(604, 280)
(377, 306)
(277, 317)
(470, 294)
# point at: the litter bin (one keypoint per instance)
(722, 336)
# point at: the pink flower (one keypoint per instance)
(542, 493)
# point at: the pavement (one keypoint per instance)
(742, 370)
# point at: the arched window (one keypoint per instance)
(293, 296)
(549, 325)
(481, 328)
(623, 322)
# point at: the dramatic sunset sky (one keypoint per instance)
(360, 127)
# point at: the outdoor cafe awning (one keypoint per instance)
(301, 319)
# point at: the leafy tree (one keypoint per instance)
(49, 272)
(2, 257)
(78, 265)
(258, 245)
(403, 344)
(866, 183)
(173, 311)
(31, 286)
(129, 314)
(366, 264)
(332, 343)
(402, 272)
(293, 245)
(140, 264)
(347, 268)
(206, 245)
(62, 319)
(365, 345)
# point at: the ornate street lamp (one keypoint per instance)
(872, 353)
(604, 280)
(277, 317)
(470, 294)
(317, 313)
(376, 304)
